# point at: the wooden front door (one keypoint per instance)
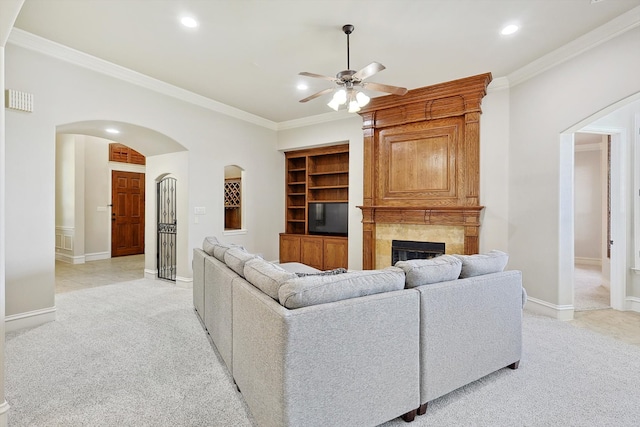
(127, 214)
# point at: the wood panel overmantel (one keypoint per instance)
(422, 160)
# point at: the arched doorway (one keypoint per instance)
(164, 156)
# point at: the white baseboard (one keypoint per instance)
(4, 408)
(184, 282)
(29, 319)
(97, 256)
(632, 304)
(560, 312)
(587, 261)
(150, 274)
(70, 259)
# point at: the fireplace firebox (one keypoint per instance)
(403, 250)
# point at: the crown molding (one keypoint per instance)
(18, 37)
(314, 120)
(605, 32)
(39, 44)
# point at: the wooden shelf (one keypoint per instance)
(328, 187)
(314, 175)
(328, 173)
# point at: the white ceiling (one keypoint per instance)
(247, 53)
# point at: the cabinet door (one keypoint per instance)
(336, 253)
(311, 249)
(289, 248)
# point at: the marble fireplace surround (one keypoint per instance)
(421, 168)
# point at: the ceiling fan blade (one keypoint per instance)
(317, 94)
(318, 76)
(369, 70)
(396, 90)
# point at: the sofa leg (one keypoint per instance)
(422, 409)
(410, 416)
(514, 365)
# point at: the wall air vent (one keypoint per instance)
(16, 100)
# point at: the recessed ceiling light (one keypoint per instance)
(509, 29)
(302, 86)
(112, 131)
(188, 22)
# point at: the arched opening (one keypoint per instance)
(91, 173)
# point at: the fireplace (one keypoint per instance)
(422, 168)
(403, 250)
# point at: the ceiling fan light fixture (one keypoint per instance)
(334, 104)
(349, 81)
(340, 96)
(362, 99)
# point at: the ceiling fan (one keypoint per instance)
(350, 82)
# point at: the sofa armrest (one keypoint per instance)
(469, 328)
(198, 281)
(351, 362)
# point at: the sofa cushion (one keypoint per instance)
(297, 267)
(313, 290)
(426, 271)
(266, 276)
(479, 264)
(235, 258)
(209, 244)
(221, 248)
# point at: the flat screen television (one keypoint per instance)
(328, 218)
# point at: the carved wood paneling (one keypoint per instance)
(421, 160)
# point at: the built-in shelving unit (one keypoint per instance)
(314, 175)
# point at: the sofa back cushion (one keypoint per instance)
(427, 271)
(235, 258)
(209, 244)
(266, 276)
(479, 264)
(313, 290)
(215, 248)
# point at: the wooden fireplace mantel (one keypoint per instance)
(422, 160)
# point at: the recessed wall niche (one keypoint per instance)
(233, 197)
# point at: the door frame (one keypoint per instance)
(121, 167)
(566, 270)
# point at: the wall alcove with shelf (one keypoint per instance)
(315, 176)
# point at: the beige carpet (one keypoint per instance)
(589, 292)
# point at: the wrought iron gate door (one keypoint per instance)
(167, 228)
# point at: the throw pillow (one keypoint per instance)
(427, 271)
(313, 290)
(235, 258)
(479, 264)
(266, 276)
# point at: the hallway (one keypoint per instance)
(72, 277)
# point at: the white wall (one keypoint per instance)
(588, 204)
(540, 110)
(96, 198)
(63, 94)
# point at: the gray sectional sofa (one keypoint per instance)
(357, 348)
